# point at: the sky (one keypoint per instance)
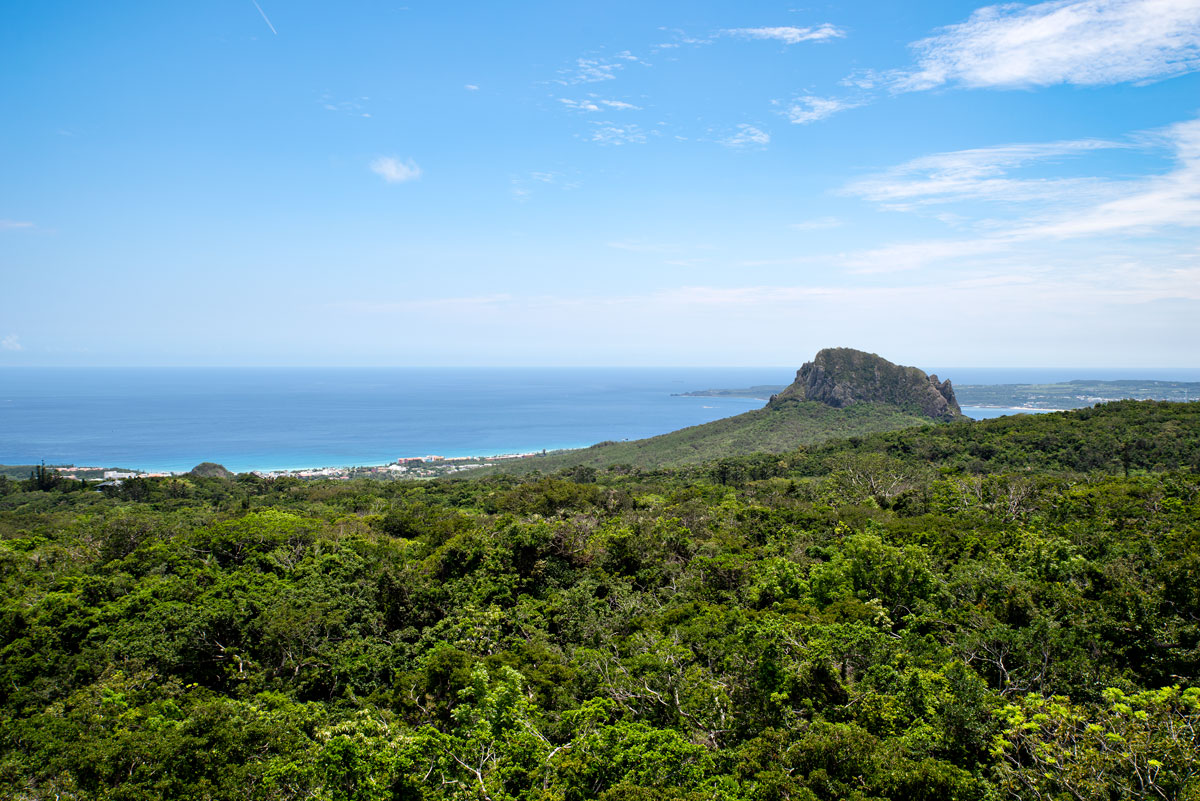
(622, 183)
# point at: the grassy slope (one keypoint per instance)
(762, 430)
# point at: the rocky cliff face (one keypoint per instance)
(842, 376)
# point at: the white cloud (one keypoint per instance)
(608, 134)
(682, 38)
(1141, 205)
(816, 224)
(804, 110)
(523, 187)
(395, 171)
(1085, 42)
(746, 136)
(354, 107)
(597, 104)
(579, 105)
(10, 343)
(790, 35)
(1097, 215)
(1128, 309)
(470, 87)
(978, 174)
(14, 225)
(591, 71)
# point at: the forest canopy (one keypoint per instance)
(971, 610)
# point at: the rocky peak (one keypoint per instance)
(843, 376)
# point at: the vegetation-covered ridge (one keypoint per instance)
(775, 429)
(1002, 609)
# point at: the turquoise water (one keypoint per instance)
(988, 412)
(172, 419)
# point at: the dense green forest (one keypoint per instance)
(972, 610)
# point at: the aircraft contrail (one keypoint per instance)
(264, 16)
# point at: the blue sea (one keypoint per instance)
(285, 418)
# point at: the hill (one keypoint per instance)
(841, 393)
(842, 377)
(769, 430)
(210, 470)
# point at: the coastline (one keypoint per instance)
(428, 466)
(423, 466)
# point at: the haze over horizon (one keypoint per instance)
(708, 183)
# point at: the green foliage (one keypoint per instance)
(974, 611)
(771, 430)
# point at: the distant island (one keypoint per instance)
(1062, 395)
(760, 391)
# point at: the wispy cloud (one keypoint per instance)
(963, 298)
(978, 174)
(523, 187)
(1126, 308)
(11, 342)
(681, 38)
(747, 136)
(594, 103)
(470, 87)
(1140, 205)
(816, 224)
(1084, 42)
(395, 171)
(14, 225)
(804, 110)
(609, 134)
(355, 107)
(636, 246)
(789, 35)
(464, 303)
(579, 105)
(1089, 211)
(595, 70)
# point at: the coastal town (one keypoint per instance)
(407, 467)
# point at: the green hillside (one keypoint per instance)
(777, 429)
(841, 393)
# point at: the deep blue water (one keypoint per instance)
(253, 418)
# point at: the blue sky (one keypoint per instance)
(618, 183)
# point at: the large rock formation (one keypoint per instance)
(840, 377)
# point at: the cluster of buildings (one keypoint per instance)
(77, 473)
(430, 466)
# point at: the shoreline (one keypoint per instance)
(1016, 408)
(430, 464)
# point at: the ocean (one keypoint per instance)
(285, 418)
